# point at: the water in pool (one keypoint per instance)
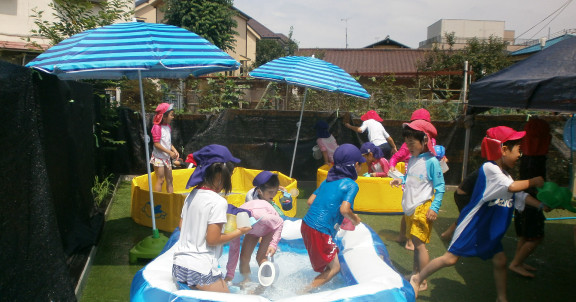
(295, 273)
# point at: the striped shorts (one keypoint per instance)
(193, 278)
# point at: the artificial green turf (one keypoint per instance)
(470, 280)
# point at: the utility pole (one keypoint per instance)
(346, 20)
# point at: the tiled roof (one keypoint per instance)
(10, 45)
(371, 61)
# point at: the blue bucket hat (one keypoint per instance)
(207, 156)
(370, 147)
(345, 158)
(322, 129)
(262, 178)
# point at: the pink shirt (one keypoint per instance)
(380, 167)
(329, 145)
(269, 224)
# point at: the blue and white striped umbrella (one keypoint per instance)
(122, 49)
(309, 72)
(134, 50)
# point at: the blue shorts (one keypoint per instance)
(193, 278)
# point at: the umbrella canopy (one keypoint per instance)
(309, 72)
(121, 50)
(135, 50)
(544, 81)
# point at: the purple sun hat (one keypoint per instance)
(345, 158)
(207, 156)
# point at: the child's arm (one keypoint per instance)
(311, 199)
(346, 211)
(521, 185)
(354, 128)
(536, 203)
(214, 234)
(437, 177)
(176, 154)
(401, 155)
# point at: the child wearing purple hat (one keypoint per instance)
(202, 219)
(330, 204)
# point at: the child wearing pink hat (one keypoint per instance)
(484, 221)
(376, 133)
(424, 188)
(163, 151)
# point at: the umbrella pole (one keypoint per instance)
(151, 246)
(298, 132)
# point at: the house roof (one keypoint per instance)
(22, 46)
(387, 42)
(401, 62)
(536, 47)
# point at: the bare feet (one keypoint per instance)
(521, 270)
(529, 267)
(423, 286)
(409, 245)
(446, 236)
(415, 284)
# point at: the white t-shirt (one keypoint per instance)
(376, 132)
(162, 134)
(201, 208)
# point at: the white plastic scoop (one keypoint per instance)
(268, 272)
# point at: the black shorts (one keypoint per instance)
(529, 223)
(386, 150)
(461, 200)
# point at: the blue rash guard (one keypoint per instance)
(324, 213)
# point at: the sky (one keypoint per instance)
(326, 23)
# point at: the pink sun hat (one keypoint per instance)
(427, 128)
(371, 115)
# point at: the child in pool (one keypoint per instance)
(423, 188)
(267, 230)
(377, 165)
(266, 186)
(163, 151)
(484, 221)
(202, 219)
(329, 205)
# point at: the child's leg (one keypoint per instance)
(233, 256)
(331, 270)
(448, 259)
(421, 259)
(499, 261)
(447, 235)
(218, 286)
(402, 236)
(248, 246)
(168, 178)
(159, 171)
(524, 249)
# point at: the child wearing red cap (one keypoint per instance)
(483, 222)
(423, 188)
(163, 151)
(376, 133)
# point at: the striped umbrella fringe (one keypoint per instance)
(310, 72)
(120, 50)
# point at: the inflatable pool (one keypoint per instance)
(375, 196)
(367, 273)
(167, 207)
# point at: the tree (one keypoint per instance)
(212, 20)
(74, 17)
(270, 49)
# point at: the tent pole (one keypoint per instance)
(298, 132)
(466, 125)
(146, 141)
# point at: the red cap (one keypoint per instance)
(427, 128)
(371, 115)
(492, 144)
(420, 114)
(190, 159)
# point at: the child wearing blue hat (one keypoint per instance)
(378, 166)
(202, 219)
(330, 204)
(266, 186)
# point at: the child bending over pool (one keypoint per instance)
(484, 221)
(203, 216)
(377, 165)
(329, 205)
(267, 230)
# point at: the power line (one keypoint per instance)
(557, 12)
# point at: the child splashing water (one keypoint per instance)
(202, 219)
(267, 230)
(163, 148)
